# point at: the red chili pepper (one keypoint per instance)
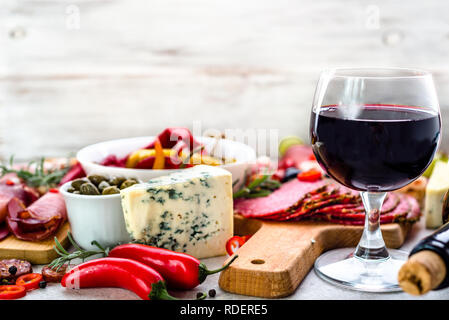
(128, 274)
(9, 182)
(233, 244)
(53, 190)
(10, 292)
(180, 270)
(310, 175)
(29, 281)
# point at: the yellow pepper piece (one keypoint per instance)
(203, 159)
(137, 156)
(159, 162)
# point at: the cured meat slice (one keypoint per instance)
(342, 208)
(38, 221)
(55, 275)
(4, 232)
(406, 210)
(309, 210)
(324, 200)
(288, 195)
(11, 187)
(390, 202)
(415, 211)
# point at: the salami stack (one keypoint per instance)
(324, 200)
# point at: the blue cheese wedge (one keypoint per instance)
(188, 211)
(436, 188)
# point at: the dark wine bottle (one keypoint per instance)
(428, 265)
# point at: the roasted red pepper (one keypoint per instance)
(180, 270)
(171, 137)
(128, 274)
(113, 161)
(146, 163)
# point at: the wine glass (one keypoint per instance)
(373, 130)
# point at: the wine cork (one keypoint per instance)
(423, 272)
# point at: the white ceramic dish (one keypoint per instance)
(92, 155)
(95, 218)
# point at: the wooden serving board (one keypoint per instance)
(39, 252)
(279, 255)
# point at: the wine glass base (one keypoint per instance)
(340, 267)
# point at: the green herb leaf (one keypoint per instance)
(37, 177)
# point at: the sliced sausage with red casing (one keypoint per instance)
(289, 195)
(54, 275)
(22, 266)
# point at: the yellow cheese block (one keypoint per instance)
(437, 187)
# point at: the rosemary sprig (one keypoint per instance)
(260, 187)
(37, 177)
(65, 257)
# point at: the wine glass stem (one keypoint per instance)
(372, 245)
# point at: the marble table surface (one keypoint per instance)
(311, 287)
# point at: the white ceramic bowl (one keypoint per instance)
(95, 218)
(92, 155)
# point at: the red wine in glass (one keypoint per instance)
(382, 148)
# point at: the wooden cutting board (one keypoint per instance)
(278, 256)
(39, 252)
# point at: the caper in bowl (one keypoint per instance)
(96, 185)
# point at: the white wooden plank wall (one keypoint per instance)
(77, 72)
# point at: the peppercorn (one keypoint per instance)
(43, 284)
(199, 295)
(12, 270)
(212, 293)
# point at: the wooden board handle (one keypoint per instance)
(423, 272)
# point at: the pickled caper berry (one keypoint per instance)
(117, 181)
(76, 184)
(110, 190)
(88, 188)
(96, 179)
(103, 185)
(127, 183)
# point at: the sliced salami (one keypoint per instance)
(22, 267)
(53, 275)
(324, 200)
(407, 207)
(288, 195)
(415, 211)
(390, 202)
(308, 210)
